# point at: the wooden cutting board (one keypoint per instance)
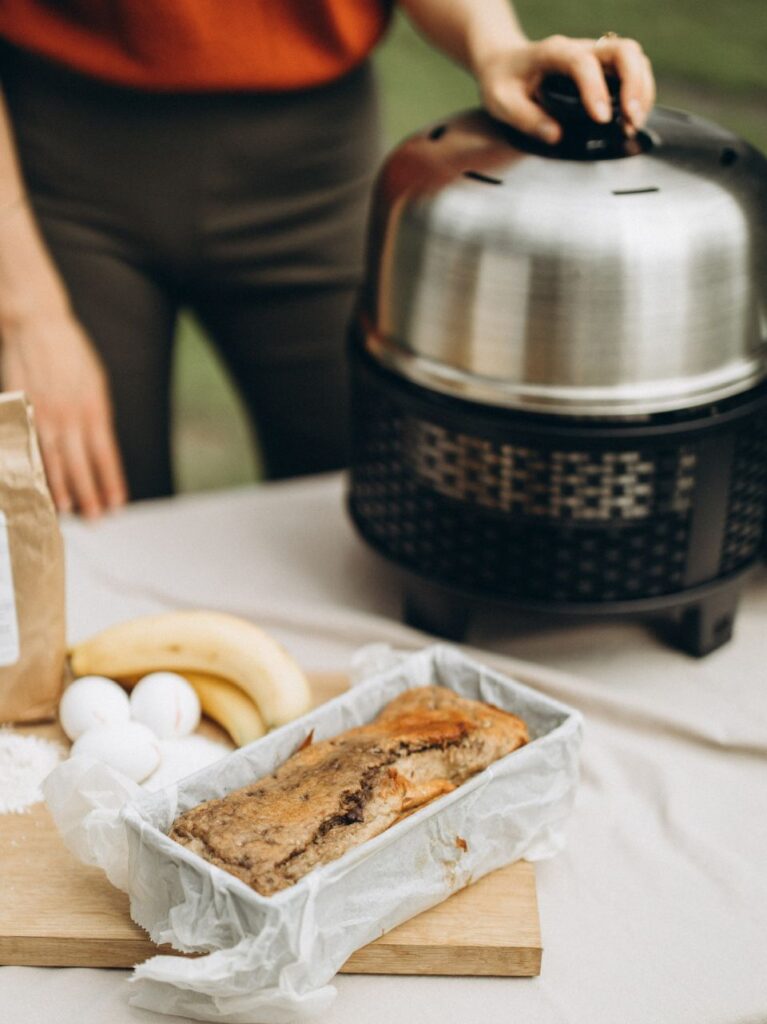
(56, 912)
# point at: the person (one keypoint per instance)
(220, 157)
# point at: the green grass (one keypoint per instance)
(213, 444)
(712, 44)
(709, 58)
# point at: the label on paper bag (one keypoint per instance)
(9, 622)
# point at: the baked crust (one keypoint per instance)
(332, 795)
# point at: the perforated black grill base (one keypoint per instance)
(547, 509)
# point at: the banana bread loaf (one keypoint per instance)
(335, 794)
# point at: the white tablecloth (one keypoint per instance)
(657, 910)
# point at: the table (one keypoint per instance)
(657, 909)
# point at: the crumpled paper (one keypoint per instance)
(271, 959)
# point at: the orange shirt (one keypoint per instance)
(186, 45)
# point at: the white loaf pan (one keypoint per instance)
(276, 955)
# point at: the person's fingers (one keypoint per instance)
(101, 446)
(628, 60)
(650, 88)
(105, 456)
(509, 96)
(580, 62)
(80, 474)
(509, 102)
(54, 471)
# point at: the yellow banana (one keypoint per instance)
(224, 702)
(200, 641)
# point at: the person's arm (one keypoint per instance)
(45, 352)
(486, 38)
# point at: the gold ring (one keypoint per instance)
(606, 36)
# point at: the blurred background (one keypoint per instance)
(709, 59)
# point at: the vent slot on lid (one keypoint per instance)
(478, 176)
(635, 191)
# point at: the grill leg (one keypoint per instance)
(430, 609)
(709, 624)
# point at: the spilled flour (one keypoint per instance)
(24, 763)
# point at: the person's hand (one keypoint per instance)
(52, 360)
(509, 80)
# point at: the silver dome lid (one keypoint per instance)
(602, 276)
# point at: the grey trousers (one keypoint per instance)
(250, 208)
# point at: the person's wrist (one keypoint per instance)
(21, 317)
(31, 291)
(488, 55)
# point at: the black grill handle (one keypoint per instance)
(583, 137)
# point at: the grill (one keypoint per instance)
(572, 517)
(538, 417)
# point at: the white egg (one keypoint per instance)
(90, 702)
(129, 747)
(167, 704)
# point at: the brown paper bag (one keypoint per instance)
(32, 616)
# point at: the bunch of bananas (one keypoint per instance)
(245, 680)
